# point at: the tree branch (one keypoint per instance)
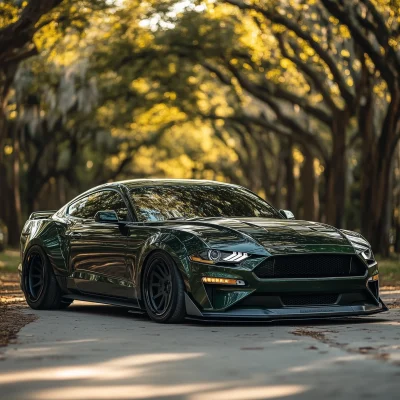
(20, 32)
(310, 72)
(346, 17)
(277, 18)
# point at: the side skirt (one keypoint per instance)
(102, 300)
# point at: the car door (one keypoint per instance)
(98, 249)
(139, 234)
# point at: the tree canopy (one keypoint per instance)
(297, 100)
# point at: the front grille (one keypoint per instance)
(309, 299)
(310, 266)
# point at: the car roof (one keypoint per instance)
(132, 183)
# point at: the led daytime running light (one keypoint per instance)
(222, 281)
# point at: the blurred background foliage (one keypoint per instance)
(299, 100)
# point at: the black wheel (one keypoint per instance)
(39, 283)
(163, 289)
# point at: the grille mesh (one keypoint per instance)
(309, 300)
(310, 266)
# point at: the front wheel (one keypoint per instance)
(163, 289)
(39, 284)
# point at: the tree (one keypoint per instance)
(375, 27)
(25, 29)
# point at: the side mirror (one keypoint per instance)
(287, 214)
(107, 216)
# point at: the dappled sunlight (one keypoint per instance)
(145, 359)
(49, 349)
(75, 341)
(386, 322)
(229, 362)
(286, 341)
(125, 391)
(117, 368)
(198, 391)
(298, 101)
(253, 393)
(324, 363)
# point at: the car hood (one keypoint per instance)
(268, 236)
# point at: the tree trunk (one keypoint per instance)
(264, 173)
(290, 180)
(379, 231)
(380, 202)
(279, 180)
(15, 217)
(337, 175)
(308, 185)
(3, 170)
(377, 169)
(396, 219)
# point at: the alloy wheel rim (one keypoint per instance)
(35, 278)
(159, 287)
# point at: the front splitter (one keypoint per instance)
(284, 313)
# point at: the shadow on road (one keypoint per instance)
(106, 310)
(91, 351)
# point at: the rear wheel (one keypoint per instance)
(163, 289)
(39, 283)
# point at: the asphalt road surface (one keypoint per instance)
(100, 352)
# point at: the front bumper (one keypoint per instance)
(286, 313)
(272, 299)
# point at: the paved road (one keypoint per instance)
(100, 352)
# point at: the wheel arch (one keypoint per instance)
(47, 235)
(177, 253)
(37, 242)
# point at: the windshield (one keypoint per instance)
(159, 203)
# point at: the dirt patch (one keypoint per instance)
(12, 302)
(306, 332)
(377, 352)
(388, 288)
(393, 303)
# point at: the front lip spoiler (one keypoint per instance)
(286, 313)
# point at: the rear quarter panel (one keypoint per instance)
(48, 234)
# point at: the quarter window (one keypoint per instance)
(77, 209)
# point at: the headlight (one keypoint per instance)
(367, 254)
(218, 256)
(361, 246)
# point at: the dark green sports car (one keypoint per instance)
(196, 249)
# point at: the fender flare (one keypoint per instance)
(179, 256)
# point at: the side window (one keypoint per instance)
(105, 200)
(114, 201)
(94, 204)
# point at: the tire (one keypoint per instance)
(39, 284)
(162, 280)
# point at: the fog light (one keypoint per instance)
(222, 281)
(374, 278)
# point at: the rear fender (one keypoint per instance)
(47, 234)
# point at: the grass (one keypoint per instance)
(389, 268)
(9, 260)
(389, 271)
